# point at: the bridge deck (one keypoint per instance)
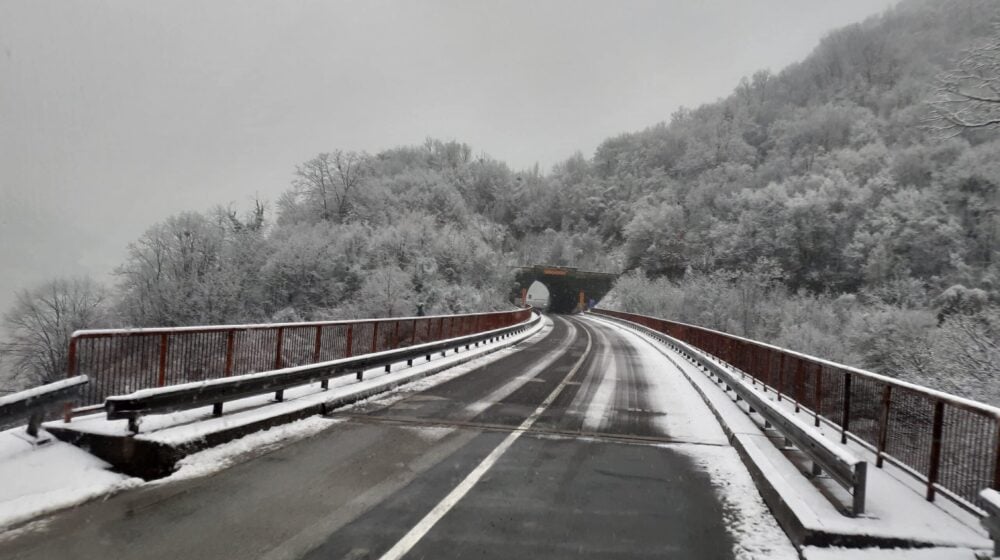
(582, 445)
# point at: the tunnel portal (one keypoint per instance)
(570, 289)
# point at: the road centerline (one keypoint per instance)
(413, 536)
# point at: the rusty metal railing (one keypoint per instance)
(949, 443)
(120, 361)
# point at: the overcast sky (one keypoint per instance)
(114, 115)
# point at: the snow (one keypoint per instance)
(754, 530)
(837, 553)
(543, 330)
(601, 407)
(756, 533)
(42, 390)
(144, 393)
(685, 415)
(429, 433)
(781, 410)
(932, 393)
(895, 508)
(177, 427)
(992, 499)
(39, 479)
(251, 326)
(223, 456)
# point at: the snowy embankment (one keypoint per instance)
(35, 479)
(39, 479)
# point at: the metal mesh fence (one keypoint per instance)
(122, 361)
(949, 443)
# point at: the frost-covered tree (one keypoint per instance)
(40, 323)
(968, 95)
(328, 184)
(193, 268)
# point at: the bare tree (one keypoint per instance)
(40, 323)
(968, 96)
(330, 181)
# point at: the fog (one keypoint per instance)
(117, 114)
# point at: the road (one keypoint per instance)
(583, 444)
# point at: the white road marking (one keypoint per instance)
(411, 538)
(516, 383)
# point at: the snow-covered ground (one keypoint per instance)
(43, 478)
(837, 553)
(220, 457)
(895, 506)
(686, 417)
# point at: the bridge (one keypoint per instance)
(497, 435)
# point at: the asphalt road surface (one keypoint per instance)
(563, 449)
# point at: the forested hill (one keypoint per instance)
(828, 168)
(834, 207)
(820, 207)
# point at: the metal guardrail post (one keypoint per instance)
(799, 383)
(935, 459)
(996, 455)
(70, 372)
(859, 490)
(990, 499)
(278, 347)
(34, 422)
(845, 419)
(71, 359)
(318, 343)
(819, 396)
(883, 425)
(161, 378)
(230, 348)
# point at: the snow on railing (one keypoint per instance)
(120, 361)
(36, 402)
(950, 443)
(990, 499)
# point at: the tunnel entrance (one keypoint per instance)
(569, 289)
(538, 295)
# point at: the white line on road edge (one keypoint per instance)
(418, 531)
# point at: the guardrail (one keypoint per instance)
(843, 466)
(991, 522)
(34, 403)
(125, 360)
(949, 443)
(216, 392)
